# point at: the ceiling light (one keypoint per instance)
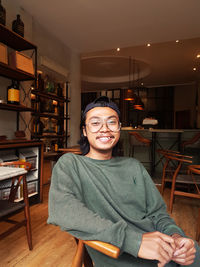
(198, 56)
(194, 68)
(177, 41)
(118, 49)
(142, 83)
(148, 44)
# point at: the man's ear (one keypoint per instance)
(84, 132)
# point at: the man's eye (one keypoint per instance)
(95, 123)
(112, 122)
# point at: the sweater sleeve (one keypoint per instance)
(156, 209)
(67, 210)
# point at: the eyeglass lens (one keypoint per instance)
(96, 124)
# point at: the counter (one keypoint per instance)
(161, 139)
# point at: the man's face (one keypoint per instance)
(102, 129)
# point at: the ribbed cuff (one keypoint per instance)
(132, 242)
(173, 229)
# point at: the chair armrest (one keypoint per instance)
(105, 248)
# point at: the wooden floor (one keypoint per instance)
(52, 247)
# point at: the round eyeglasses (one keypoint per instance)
(95, 124)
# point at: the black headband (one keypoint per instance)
(102, 101)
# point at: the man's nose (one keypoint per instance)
(104, 127)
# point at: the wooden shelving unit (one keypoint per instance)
(18, 146)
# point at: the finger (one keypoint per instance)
(185, 250)
(184, 260)
(189, 253)
(166, 238)
(161, 264)
(163, 254)
(167, 248)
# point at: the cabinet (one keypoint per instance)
(21, 148)
(31, 151)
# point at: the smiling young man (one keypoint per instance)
(98, 196)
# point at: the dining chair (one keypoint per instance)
(192, 147)
(8, 207)
(82, 257)
(169, 166)
(138, 140)
(195, 169)
(182, 179)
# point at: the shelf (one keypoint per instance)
(29, 195)
(48, 115)
(15, 74)
(48, 136)
(49, 95)
(14, 40)
(14, 107)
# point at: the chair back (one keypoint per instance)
(8, 207)
(137, 139)
(173, 161)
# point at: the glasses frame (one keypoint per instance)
(104, 122)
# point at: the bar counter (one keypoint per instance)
(161, 139)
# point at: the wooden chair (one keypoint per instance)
(192, 147)
(137, 140)
(9, 207)
(169, 166)
(82, 257)
(191, 141)
(181, 178)
(195, 169)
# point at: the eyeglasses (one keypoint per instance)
(95, 124)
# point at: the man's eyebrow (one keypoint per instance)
(109, 117)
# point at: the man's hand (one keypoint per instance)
(185, 250)
(157, 246)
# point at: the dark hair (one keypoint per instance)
(102, 101)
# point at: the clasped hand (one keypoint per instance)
(164, 248)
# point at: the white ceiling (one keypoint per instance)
(88, 26)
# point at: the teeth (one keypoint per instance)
(104, 138)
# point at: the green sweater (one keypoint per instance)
(114, 201)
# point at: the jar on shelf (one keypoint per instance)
(38, 126)
(13, 93)
(18, 26)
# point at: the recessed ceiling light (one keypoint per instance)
(198, 56)
(177, 41)
(194, 68)
(148, 44)
(142, 83)
(118, 49)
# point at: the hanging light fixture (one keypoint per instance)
(138, 104)
(129, 93)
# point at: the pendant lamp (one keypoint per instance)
(129, 94)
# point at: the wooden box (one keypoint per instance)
(20, 61)
(3, 54)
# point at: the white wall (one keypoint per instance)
(51, 48)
